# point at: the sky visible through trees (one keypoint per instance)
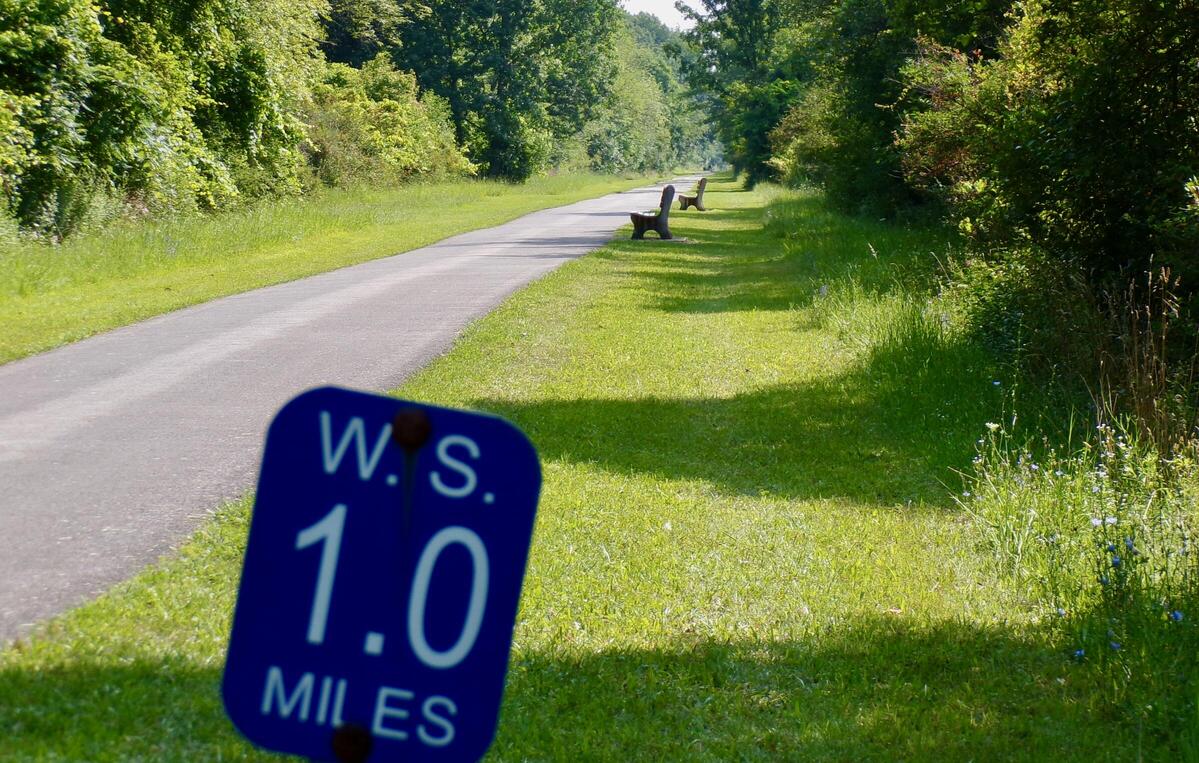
(663, 9)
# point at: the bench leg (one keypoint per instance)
(638, 226)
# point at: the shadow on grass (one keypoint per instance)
(810, 247)
(880, 688)
(894, 428)
(139, 710)
(834, 439)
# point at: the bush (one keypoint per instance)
(370, 124)
(1079, 138)
(164, 107)
(1033, 314)
(839, 132)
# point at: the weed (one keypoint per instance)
(1104, 540)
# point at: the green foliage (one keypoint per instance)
(357, 31)
(519, 75)
(840, 130)
(1104, 540)
(370, 125)
(1027, 309)
(631, 131)
(751, 113)
(167, 106)
(54, 63)
(134, 107)
(649, 120)
(730, 55)
(1080, 137)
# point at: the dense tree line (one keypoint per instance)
(118, 106)
(1060, 136)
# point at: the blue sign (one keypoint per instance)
(381, 580)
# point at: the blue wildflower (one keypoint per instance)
(1115, 645)
(1176, 616)
(1103, 580)
(1061, 612)
(1116, 562)
(1111, 548)
(996, 382)
(1128, 544)
(1079, 654)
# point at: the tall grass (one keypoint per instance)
(1096, 525)
(134, 269)
(130, 247)
(1103, 538)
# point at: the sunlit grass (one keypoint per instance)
(51, 295)
(748, 545)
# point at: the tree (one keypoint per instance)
(518, 74)
(356, 31)
(1079, 138)
(733, 58)
(161, 105)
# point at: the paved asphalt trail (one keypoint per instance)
(114, 449)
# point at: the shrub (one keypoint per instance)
(161, 106)
(371, 124)
(1036, 316)
(1080, 138)
(840, 130)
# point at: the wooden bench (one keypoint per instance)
(697, 200)
(644, 221)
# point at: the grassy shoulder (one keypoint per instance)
(52, 295)
(746, 546)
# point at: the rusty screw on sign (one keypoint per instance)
(352, 743)
(411, 429)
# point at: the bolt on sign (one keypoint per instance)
(382, 574)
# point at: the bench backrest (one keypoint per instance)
(667, 200)
(699, 193)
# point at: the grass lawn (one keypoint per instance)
(52, 295)
(747, 546)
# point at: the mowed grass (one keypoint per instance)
(746, 547)
(51, 295)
